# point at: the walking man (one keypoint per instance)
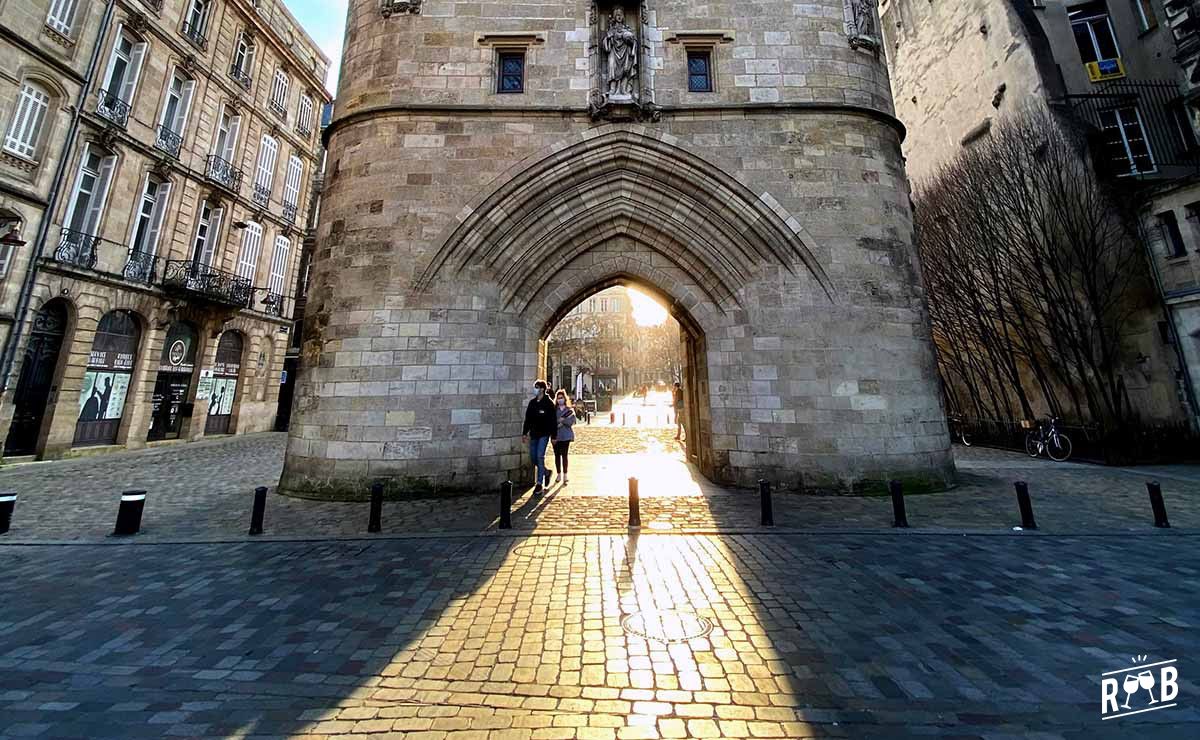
(677, 402)
(541, 421)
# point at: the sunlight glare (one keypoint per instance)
(646, 310)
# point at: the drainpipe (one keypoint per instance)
(14, 339)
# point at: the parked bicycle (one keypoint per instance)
(1046, 438)
(958, 430)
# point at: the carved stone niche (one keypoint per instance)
(618, 56)
(399, 7)
(862, 25)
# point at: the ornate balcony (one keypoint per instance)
(277, 108)
(223, 173)
(289, 212)
(140, 267)
(111, 106)
(168, 141)
(195, 34)
(240, 76)
(261, 194)
(272, 304)
(207, 283)
(76, 248)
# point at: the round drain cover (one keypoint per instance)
(541, 551)
(666, 625)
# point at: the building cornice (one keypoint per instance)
(485, 111)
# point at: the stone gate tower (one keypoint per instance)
(492, 163)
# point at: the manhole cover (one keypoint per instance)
(541, 551)
(666, 625)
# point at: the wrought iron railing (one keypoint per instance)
(1121, 112)
(76, 248)
(272, 304)
(111, 106)
(215, 285)
(240, 76)
(261, 194)
(289, 212)
(155, 5)
(195, 34)
(140, 267)
(168, 141)
(223, 173)
(277, 108)
(304, 129)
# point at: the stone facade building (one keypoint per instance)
(159, 156)
(1124, 71)
(739, 162)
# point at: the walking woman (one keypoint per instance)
(563, 436)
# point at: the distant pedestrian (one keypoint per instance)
(677, 402)
(564, 435)
(540, 425)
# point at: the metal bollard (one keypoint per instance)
(7, 502)
(901, 518)
(1156, 503)
(622, 419)
(612, 417)
(1026, 506)
(635, 504)
(260, 507)
(129, 516)
(506, 489)
(768, 509)
(376, 523)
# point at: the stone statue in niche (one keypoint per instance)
(861, 25)
(620, 45)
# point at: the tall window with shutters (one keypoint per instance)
(227, 134)
(90, 191)
(264, 176)
(304, 116)
(61, 17)
(279, 94)
(121, 78)
(247, 266)
(243, 60)
(175, 112)
(291, 187)
(279, 263)
(208, 234)
(25, 130)
(148, 220)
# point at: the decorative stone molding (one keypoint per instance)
(862, 24)
(58, 37)
(515, 39)
(17, 163)
(189, 63)
(701, 38)
(137, 22)
(399, 7)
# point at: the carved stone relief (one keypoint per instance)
(399, 7)
(862, 24)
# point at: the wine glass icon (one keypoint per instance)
(1146, 681)
(1130, 685)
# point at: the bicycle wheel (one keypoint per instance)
(1032, 444)
(1058, 447)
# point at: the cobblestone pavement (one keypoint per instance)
(203, 492)
(596, 636)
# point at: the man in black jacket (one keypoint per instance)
(541, 421)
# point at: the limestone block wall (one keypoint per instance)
(455, 226)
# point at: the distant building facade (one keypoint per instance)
(158, 162)
(1124, 71)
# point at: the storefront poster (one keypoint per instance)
(204, 388)
(103, 395)
(223, 392)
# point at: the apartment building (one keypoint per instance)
(157, 157)
(1124, 72)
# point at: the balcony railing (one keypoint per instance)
(209, 283)
(76, 248)
(168, 141)
(1128, 116)
(1183, 16)
(277, 108)
(140, 267)
(289, 212)
(223, 173)
(304, 129)
(240, 76)
(195, 34)
(155, 5)
(261, 194)
(111, 106)
(272, 304)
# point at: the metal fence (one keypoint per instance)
(1129, 445)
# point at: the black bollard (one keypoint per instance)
(1156, 503)
(260, 507)
(1026, 506)
(635, 504)
(898, 504)
(506, 505)
(7, 502)
(768, 509)
(376, 523)
(622, 419)
(129, 516)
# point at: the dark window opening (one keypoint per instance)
(512, 72)
(1093, 31)
(699, 71)
(1182, 120)
(1172, 236)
